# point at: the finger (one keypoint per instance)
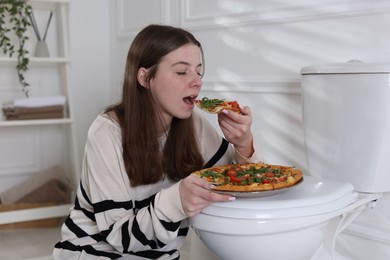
(226, 120)
(227, 130)
(200, 182)
(230, 128)
(245, 110)
(212, 196)
(229, 114)
(220, 197)
(206, 192)
(235, 118)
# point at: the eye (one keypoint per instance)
(181, 73)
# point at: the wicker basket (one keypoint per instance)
(39, 191)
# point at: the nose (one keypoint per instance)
(196, 81)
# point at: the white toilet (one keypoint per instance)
(346, 118)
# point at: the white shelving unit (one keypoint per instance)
(61, 61)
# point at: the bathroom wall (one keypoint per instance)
(254, 52)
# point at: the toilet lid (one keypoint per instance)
(312, 197)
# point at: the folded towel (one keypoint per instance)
(49, 115)
(12, 110)
(40, 101)
(47, 107)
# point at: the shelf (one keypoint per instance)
(63, 129)
(22, 215)
(34, 60)
(34, 122)
(50, 1)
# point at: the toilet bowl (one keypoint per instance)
(303, 222)
(272, 227)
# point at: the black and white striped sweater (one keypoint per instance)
(110, 219)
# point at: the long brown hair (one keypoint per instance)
(139, 118)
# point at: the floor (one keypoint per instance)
(32, 244)
(37, 244)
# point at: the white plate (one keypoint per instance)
(255, 194)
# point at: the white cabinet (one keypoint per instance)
(39, 143)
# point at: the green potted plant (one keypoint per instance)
(14, 16)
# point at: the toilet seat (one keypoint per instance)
(314, 196)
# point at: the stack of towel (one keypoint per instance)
(35, 108)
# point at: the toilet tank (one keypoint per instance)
(346, 121)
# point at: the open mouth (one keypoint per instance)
(189, 100)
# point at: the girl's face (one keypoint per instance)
(177, 82)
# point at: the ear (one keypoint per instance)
(142, 77)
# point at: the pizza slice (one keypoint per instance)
(215, 106)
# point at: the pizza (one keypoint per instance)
(215, 106)
(250, 177)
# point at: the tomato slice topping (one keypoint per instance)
(216, 170)
(232, 176)
(234, 179)
(234, 104)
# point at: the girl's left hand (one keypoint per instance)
(196, 194)
(237, 129)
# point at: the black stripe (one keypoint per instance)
(160, 244)
(125, 237)
(85, 196)
(153, 254)
(74, 228)
(170, 226)
(218, 155)
(88, 249)
(140, 236)
(77, 203)
(183, 232)
(106, 232)
(87, 213)
(107, 205)
(139, 204)
(79, 232)
(149, 254)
